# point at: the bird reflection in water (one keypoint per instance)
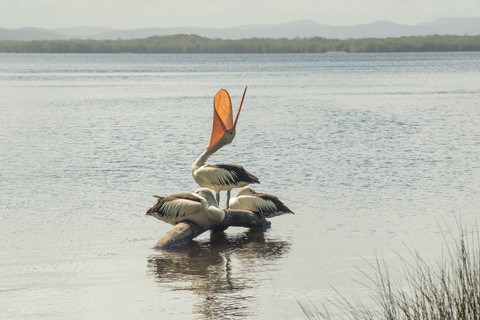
(219, 270)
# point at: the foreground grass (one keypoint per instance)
(448, 288)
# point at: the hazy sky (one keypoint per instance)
(129, 14)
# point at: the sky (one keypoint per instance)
(132, 14)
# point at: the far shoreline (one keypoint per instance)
(194, 44)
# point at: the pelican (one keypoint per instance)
(220, 177)
(199, 207)
(264, 204)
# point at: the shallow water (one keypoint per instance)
(373, 152)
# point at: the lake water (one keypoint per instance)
(373, 152)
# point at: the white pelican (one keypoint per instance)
(264, 204)
(199, 207)
(220, 177)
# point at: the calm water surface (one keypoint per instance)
(373, 152)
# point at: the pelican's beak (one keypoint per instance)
(223, 116)
(239, 108)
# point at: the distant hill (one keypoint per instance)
(300, 28)
(458, 26)
(82, 32)
(30, 33)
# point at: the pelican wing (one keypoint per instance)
(238, 173)
(224, 175)
(208, 176)
(279, 204)
(177, 206)
(264, 204)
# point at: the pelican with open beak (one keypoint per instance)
(220, 177)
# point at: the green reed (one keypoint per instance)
(447, 288)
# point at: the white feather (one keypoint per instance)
(215, 178)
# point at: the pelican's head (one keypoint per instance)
(215, 214)
(223, 128)
(245, 190)
(226, 138)
(208, 195)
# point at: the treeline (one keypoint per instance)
(197, 44)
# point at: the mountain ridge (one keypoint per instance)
(293, 29)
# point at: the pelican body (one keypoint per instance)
(199, 207)
(220, 177)
(261, 203)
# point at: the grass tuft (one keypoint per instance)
(447, 289)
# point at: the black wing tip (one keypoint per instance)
(155, 208)
(253, 178)
(287, 209)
